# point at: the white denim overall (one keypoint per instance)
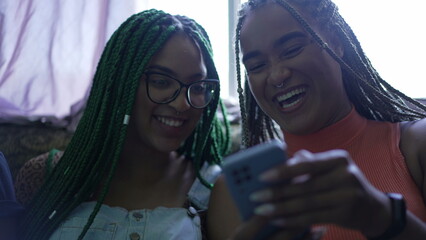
(157, 224)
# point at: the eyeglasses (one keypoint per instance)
(162, 88)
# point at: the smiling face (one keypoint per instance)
(163, 127)
(294, 81)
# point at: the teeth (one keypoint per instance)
(170, 122)
(283, 99)
(284, 105)
(290, 94)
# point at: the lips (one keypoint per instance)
(290, 99)
(171, 122)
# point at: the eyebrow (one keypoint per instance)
(173, 74)
(162, 69)
(283, 39)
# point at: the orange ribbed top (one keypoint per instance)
(374, 147)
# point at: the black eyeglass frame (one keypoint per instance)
(181, 85)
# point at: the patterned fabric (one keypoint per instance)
(31, 177)
(20, 143)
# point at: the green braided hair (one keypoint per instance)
(371, 96)
(90, 160)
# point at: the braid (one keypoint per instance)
(211, 140)
(256, 126)
(245, 119)
(89, 161)
(371, 96)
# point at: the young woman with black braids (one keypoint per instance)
(352, 138)
(144, 155)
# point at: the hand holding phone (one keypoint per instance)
(242, 170)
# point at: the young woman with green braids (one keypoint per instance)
(357, 146)
(144, 155)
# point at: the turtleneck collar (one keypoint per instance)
(335, 136)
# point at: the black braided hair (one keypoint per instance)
(89, 160)
(371, 96)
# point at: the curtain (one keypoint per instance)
(49, 51)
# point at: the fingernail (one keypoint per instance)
(261, 196)
(264, 210)
(269, 175)
(293, 161)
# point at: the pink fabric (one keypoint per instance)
(49, 50)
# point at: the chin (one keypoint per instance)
(167, 146)
(295, 127)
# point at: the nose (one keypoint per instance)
(278, 75)
(181, 103)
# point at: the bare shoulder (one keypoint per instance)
(222, 216)
(31, 177)
(413, 139)
(413, 146)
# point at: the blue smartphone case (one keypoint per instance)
(242, 170)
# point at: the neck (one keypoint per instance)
(140, 163)
(337, 135)
(145, 178)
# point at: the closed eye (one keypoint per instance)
(254, 68)
(292, 51)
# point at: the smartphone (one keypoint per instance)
(242, 170)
